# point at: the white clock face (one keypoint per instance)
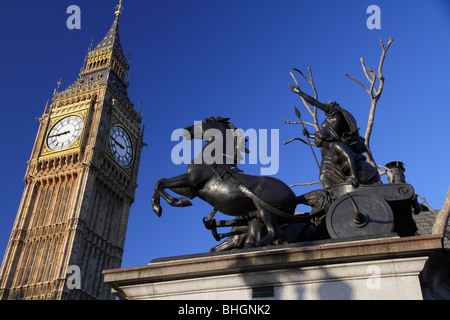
(64, 133)
(121, 146)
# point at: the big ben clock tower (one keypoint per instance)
(79, 185)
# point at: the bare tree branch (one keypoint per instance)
(365, 70)
(293, 139)
(291, 122)
(295, 79)
(374, 94)
(305, 184)
(298, 122)
(428, 206)
(378, 92)
(310, 80)
(385, 49)
(367, 90)
(312, 112)
(382, 172)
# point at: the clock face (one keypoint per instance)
(64, 133)
(121, 146)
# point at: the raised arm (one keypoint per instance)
(324, 107)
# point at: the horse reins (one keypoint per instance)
(225, 175)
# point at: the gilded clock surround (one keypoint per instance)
(81, 111)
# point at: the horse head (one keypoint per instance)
(217, 127)
(197, 130)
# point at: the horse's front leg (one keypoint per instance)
(180, 181)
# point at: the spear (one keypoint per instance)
(297, 113)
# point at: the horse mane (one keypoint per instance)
(240, 140)
(217, 119)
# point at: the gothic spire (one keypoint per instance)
(112, 38)
(104, 64)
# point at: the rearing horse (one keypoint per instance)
(202, 181)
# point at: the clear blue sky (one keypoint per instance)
(196, 59)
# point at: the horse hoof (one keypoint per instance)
(157, 209)
(184, 202)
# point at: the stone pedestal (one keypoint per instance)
(385, 268)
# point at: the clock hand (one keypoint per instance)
(121, 146)
(59, 134)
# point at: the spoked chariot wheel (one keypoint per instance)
(359, 214)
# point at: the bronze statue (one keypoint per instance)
(340, 164)
(265, 202)
(339, 123)
(352, 203)
(353, 183)
(341, 147)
